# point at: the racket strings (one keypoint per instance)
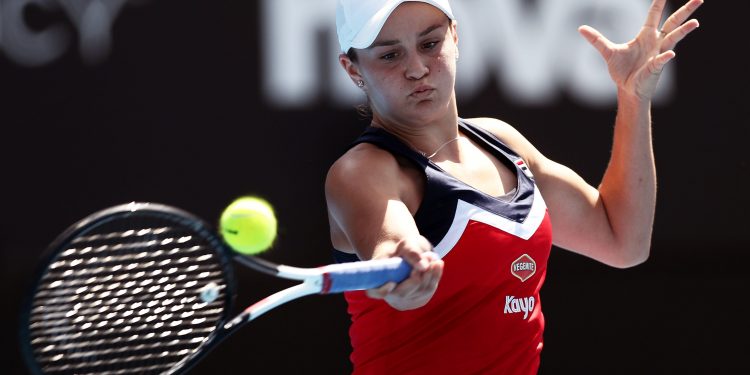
(123, 234)
(100, 288)
(60, 312)
(126, 301)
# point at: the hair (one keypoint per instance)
(352, 54)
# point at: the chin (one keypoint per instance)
(430, 110)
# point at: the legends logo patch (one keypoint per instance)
(523, 268)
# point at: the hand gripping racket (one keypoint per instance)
(146, 288)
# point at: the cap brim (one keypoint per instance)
(371, 30)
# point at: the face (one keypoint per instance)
(409, 71)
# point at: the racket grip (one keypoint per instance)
(369, 274)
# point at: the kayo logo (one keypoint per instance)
(523, 268)
(516, 305)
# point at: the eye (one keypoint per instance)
(430, 45)
(388, 56)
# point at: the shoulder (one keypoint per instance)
(364, 166)
(362, 161)
(370, 175)
(510, 136)
(500, 129)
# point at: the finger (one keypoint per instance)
(412, 250)
(424, 243)
(381, 292)
(432, 256)
(661, 60)
(680, 16)
(671, 40)
(657, 63)
(654, 14)
(649, 74)
(408, 286)
(412, 257)
(427, 278)
(432, 277)
(601, 43)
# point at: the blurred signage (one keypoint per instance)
(32, 45)
(530, 50)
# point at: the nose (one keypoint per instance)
(415, 67)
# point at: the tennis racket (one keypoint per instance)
(147, 288)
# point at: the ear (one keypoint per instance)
(454, 30)
(350, 68)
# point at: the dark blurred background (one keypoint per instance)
(194, 103)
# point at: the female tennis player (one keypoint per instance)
(470, 203)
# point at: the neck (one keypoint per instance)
(427, 139)
(424, 138)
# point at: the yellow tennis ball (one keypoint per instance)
(248, 225)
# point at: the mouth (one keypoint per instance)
(422, 91)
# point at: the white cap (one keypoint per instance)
(358, 22)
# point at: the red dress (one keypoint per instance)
(485, 317)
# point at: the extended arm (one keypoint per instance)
(365, 193)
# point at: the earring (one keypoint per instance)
(360, 83)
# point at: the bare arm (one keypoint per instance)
(627, 193)
(613, 223)
(365, 192)
(581, 222)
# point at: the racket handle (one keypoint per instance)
(369, 274)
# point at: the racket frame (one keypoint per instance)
(334, 278)
(101, 217)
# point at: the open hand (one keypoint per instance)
(635, 66)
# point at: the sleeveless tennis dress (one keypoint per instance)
(485, 317)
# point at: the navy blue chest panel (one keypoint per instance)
(448, 200)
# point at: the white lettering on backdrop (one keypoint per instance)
(531, 52)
